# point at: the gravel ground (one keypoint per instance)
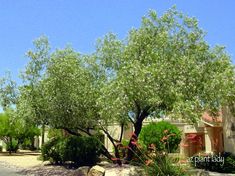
(48, 171)
(28, 164)
(8, 170)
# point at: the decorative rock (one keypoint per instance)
(96, 171)
(125, 170)
(104, 163)
(82, 171)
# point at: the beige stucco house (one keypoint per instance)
(209, 135)
(228, 130)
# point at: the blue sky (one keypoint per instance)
(80, 23)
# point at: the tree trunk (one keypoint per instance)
(43, 134)
(105, 152)
(134, 137)
(117, 155)
(10, 145)
(116, 152)
(32, 147)
(137, 129)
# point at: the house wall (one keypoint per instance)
(115, 132)
(228, 130)
(216, 137)
(217, 143)
(38, 140)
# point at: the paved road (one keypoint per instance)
(8, 172)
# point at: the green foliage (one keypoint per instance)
(12, 145)
(8, 91)
(10, 126)
(70, 93)
(82, 151)
(50, 151)
(155, 162)
(79, 150)
(16, 129)
(54, 133)
(31, 105)
(164, 165)
(164, 67)
(164, 135)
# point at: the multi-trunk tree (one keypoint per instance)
(163, 68)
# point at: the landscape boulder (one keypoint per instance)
(82, 171)
(96, 171)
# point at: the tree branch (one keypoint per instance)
(108, 135)
(114, 145)
(132, 121)
(70, 131)
(122, 130)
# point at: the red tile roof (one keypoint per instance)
(210, 118)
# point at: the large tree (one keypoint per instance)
(165, 67)
(70, 89)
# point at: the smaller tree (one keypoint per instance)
(14, 131)
(164, 135)
(31, 105)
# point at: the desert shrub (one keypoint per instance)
(164, 135)
(78, 150)
(12, 146)
(162, 165)
(27, 144)
(81, 150)
(50, 150)
(157, 162)
(210, 162)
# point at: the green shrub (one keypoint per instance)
(163, 165)
(78, 150)
(82, 150)
(28, 144)
(164, 135)
(1, 147)
(50, 151)
(13, 146)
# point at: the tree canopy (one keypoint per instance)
(163, 68)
